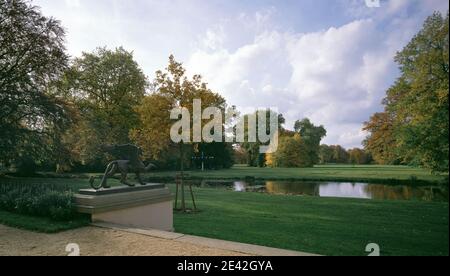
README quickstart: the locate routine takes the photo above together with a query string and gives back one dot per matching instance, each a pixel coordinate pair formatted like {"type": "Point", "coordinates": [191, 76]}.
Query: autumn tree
{"type": "Point", "coordinates": [170, 89]}
{"type": "Point", "coordinates": [415, 124]}
{"type": "Point", "coordinates": [358, 156]}
{"type": "Point", "coordinates": [381, 142]}
{"type": "Point", "coordinates": [32, 57]}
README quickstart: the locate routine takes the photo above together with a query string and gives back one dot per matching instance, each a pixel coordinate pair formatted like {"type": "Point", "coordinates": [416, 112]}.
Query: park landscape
{"type": "Point", "coordinates": [59, 113]}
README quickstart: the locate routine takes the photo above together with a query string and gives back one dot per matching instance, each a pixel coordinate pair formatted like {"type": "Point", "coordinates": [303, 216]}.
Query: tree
{"type": "Point", "coordinates": [152, 133]}
{"type": "Point", "coordinates": [106, 87]}
{"type": "Point", "coordinates": [381, 142]}
{"type": "Point", "coordinates": [292, 153]}
{"type": "Point", "coordinates": [358, 157]}
{"type": "Point", "coordinates": [32, 57]}
{"type": "Point", "coordinates": [222, 155]}
{"type": "Point", "coordinates": [414, 127]}
{"type": "Point", "coordinates": [340, 155]}
{"type": "Point", "coordinates": [254, 157]}
{"type": "Point", "coordinates": [420, 98]}
{"type": "Point", "coordinates": [326, 154]}
{"type": "Point", "coordinates": [240, 155]}
{"type": "Point", "coordinates": [312, 136]}
{"type": "Point", "coordinates": [171, 89]}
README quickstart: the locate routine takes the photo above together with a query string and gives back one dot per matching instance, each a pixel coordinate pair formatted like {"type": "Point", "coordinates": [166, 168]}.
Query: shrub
{"type": "Point", "coordinates": [37, 199]}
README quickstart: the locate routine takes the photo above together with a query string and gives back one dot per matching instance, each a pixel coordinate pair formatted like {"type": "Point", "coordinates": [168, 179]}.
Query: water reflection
{"type": "Point", "coordinates": [336, 189]}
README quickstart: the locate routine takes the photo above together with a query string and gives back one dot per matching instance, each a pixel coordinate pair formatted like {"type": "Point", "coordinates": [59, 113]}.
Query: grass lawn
{"type": "Point", "coordinates": [39, 224]}
{"type": "Point", "coordinates": [327, 226]}
{"type": "Point", "coordinates": [371, 173]}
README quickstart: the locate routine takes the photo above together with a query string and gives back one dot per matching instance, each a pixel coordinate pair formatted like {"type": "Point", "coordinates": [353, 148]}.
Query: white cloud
{"type": "Point", "coordinates": [214, 38]}
{"type": "Point", "coordinates": [335, 77]}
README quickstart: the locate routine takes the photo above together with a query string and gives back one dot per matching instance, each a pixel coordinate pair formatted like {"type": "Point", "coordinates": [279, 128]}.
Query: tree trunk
{"type": "Point", "coordinates": [183, 202]}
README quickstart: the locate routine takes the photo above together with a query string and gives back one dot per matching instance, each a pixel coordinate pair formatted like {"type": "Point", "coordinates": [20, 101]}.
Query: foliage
{"type": "Point", "coordinates": [32, 58]}
{"type": "Point", "coordinates": [106, 86]}
{"type": "Point", "coordinates": [173, 89]}
{"type": "Point", "coordinates": [381, 142]}
{"type": "Point", "coordinates": [359, 157]}
{"type": "Point", "coordinates": [292, 152]}
{"type": "Point", "coordinates": [326, 154]}
{"type": "Point", "coordinates": [311, 135]}
{"type": "Point", "coordinates": [240, 155]}
{"type": "Point", "coordinates": [334, 154]}
{"type": "Point", "coordinates": [221, 153]}
{"type": "Point", "coordinates": [415, 124]}
{"type": "Point", "coordinates": [52, 201]}
{"type": "Point", "coordinates": [252, 149]}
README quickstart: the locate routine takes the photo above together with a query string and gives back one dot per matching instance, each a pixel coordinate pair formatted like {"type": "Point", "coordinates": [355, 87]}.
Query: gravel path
{"type": "Point", "coordinates": [95, 241]}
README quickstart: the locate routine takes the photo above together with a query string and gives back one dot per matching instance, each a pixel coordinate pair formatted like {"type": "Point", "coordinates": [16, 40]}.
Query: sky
{"type": "Point", "coordinates": [329, 60]}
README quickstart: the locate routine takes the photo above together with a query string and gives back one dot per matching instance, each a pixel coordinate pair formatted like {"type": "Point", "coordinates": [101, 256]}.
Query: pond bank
{"type": "Point", "coordinates": [392, 175]}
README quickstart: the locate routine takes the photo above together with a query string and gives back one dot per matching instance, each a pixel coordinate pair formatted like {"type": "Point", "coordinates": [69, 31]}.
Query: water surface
{"type": "Point", "coordinates": [335, 189]}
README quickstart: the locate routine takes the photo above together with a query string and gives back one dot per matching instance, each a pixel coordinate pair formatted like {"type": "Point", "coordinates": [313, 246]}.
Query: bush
{"type": "Point", "coordinates": [37, 199]}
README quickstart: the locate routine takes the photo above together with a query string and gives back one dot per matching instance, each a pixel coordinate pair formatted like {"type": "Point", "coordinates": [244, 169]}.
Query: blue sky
{"type": "Point", "coordinates": [329, 60]}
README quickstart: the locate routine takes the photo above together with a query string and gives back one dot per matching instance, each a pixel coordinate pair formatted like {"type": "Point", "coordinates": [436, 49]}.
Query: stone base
{"type": "Point", "coordinates": [147, 207]}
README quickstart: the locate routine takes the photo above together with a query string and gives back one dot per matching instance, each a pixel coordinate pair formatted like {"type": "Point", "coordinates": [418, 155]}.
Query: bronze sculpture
{"type": "Point", "coordinates": [129, 162]}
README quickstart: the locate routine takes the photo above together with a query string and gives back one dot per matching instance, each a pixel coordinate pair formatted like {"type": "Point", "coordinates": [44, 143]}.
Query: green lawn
{"type": "Point", "coordinates": [327, 226]}
{"type": "Point", "coordinates": [40, 224]}
{"type": "Point", "coordinates": [370, 173]}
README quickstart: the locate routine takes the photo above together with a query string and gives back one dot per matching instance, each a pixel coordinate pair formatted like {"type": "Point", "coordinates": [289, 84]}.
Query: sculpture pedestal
{"type": "Point", "coordinates": [146, 207]}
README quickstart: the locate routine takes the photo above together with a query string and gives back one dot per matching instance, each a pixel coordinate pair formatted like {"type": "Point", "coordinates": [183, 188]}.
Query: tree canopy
{"type": "Point", "coordinates": [414, 127]}
{"type": "Point", "coordinates": [32, 57]}
{"type": "Point", "coordinates": [106, 86]}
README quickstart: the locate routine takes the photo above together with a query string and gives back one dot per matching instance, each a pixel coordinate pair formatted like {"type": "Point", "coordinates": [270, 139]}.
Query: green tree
{"type": "Point", "coordinates": [414, 127]}
{"type": "Point", "coordinates": [222, 155]}
{"type": "Point", "coordinates": [326, 154]}
{"type": "Point", "coordinates": [420, 98]}
{"type": "Point", "coordinates": [312, 136]}
{"type": "Point", "coordinates": [32, 57]}
{"type": "Point", "coordinates": [292, 153]}
{"type": "Point", "coordinates": [340, 155]}
{"type": "Point", "coordinates": [106, 86]}
{"type": "Point", "coordinates": [254, 157]}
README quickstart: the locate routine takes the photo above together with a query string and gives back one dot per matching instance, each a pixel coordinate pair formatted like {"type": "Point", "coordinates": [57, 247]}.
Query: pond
{"type": "Point", "coordinates": [335, 189]}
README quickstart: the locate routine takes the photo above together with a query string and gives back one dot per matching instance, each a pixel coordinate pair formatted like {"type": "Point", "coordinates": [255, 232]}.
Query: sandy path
{"type": "Point", "coordinates": [95, 241]}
